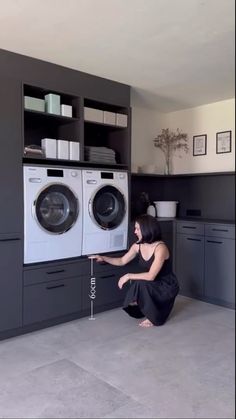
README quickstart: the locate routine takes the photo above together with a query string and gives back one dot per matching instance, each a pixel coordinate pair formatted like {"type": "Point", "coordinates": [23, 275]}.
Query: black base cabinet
{"type": "Point", "coordinates": [205, 261]}
{"type": "Point", "coordinates": [189, 266]}
{"type": "Point", "coordinates": [102, 288]}
{"type": "Point", "coordinates": [52, 291]}
{"type": "Point", "coordinates": [52, 299]}
{"type": "Point", "coordinates": [220, 265]}
{"type": "Point", "coordinates": [10, 283]}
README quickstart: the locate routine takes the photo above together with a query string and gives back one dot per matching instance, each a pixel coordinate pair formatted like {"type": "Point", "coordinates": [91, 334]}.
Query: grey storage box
{"type": "Point", "coordinates": [109, 118]}
{"type": "Point", "coordinates": [121, 120]}
{"type": "Point", "coordinates": [53, 103]}
{"type": "Point", "coordinates": [34, 104]}
{"type": "Point", "coordinates": [93, 115]}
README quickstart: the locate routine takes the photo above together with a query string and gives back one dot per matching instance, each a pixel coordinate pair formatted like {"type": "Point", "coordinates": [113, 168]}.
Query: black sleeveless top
{"type": "Point", "coordinates": [166, 268]}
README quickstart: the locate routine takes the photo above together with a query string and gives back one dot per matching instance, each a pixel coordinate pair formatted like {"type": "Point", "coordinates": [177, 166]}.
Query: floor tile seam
{"type": "Point", "coordinates": [106, 381]}
{"type": "Point", "coordinates": [140, 404]}
{"type": "Point", "coordinates": [23, 374]}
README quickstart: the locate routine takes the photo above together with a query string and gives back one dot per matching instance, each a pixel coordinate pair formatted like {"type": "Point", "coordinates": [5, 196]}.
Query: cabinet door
{"type": "Point", "coordinates": [105, 289]}
{"type": "Point", "coordinates": [10, 283]}
{"type": "Point", "coordinates": [52, 299]}
{"type": "Point", "coordinates": [190, 264]}
{"type": "Point", "coordinates": [220, 270]}
{"type": "Point", "coordinates": [11, 183]}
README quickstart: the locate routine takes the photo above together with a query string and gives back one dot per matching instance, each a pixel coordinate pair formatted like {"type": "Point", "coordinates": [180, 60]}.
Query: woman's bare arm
{"type": "Point", "coordinates": [118, 261]}
{"type": "Point", "coordinates": [161, 253]}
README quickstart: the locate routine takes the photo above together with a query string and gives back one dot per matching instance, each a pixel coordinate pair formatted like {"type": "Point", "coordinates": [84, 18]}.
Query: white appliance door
{"type": "Point", "coordinates": [107, 208]}
{"type": "Point", "coordinates": [56, 208]}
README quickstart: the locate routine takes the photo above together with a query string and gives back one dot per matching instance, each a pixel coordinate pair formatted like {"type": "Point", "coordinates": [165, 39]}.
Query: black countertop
{"type": "Point", "coordinates": [197, 219]}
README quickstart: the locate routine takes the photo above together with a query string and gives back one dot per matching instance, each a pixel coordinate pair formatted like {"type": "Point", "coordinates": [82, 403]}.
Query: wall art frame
{"type": "Point", "coordinates": [200, 145]}
{"type": "Point", "coordinates": [223, 142]}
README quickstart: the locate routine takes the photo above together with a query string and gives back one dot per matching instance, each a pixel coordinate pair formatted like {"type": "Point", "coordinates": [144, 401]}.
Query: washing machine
{"type": "Point", "coordinates": [52, 213]}
{"type": "Point", "coordinates": [105, 211]}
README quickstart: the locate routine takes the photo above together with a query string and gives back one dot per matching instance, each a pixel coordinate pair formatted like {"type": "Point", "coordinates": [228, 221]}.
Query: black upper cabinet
{"type": "Point", "coordinates": [81, 91]}
{"type": "Point", "coordinates": [39, 124]}
{"type": "Point", "coordinates": [11, 183]}
{"type": "Point", "coordinates": [108, 126]}
{"type": "Point", "coordinates": [101, 129]}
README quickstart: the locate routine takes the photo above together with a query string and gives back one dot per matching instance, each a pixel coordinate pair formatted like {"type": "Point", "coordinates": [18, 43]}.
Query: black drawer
{"type": "Point", "coordinates": [107, 291]}
{"type": "Point", "coordinates": [102, 268]}
{"type": "Point", "coordinates": [59, 271]}
{"type": "Point", "coordinates": [97, 267]}
{"type": "Point", "coordinates": [220, 230]}
{"type": "Point", "coordinates": [188, 227]}
{"type": "Point", "coordinates": [52, 299]}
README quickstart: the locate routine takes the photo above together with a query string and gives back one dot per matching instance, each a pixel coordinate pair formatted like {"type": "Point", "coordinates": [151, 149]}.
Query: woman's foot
{"type": "Point", "coordinates": [146, 323]}
{"type": "Point", "coordinates": [134, 303]}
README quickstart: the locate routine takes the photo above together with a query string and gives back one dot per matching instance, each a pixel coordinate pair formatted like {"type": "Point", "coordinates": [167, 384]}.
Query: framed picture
{"type": "Point", "coordinates": [223, 142]}
{"type": "Point", "coordinates": [199, 145]}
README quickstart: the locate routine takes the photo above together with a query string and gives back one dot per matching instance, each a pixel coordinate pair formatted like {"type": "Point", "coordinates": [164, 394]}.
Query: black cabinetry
{"type": "Point", "coordinates": [10, 282]}
{"type": "Point", "coordinates": [107, 293]}
{"type": "Point", "coordinates": [205, 261]}
{"type": "Point", "coordinates": [220, 264]}
{"type": "Point", "coordinates": [42, 124]}
{"type": "Point", "coordinates": [11, 205]}
{"type": "Point", "coordinates": [11, 184]}
{"type": "Point", "coordinates": [189, 264]}
{"type": "Point", "coordinates": [52, 291]}
{"type": "Point", "coordinates": [97, 126]}
{"type": "Point", "coordinates": [106, 125]}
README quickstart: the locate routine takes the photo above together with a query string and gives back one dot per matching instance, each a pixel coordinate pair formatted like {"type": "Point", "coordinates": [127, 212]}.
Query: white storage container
{"type": "Point", "coordinates": [74, 150]}
{"type": "Point", "coordinates": [166, 209]}
{"type": "Point", "coordinates": [63, 149]}
{"type": "Point", "coordinates": [49, 145]}
{"type": "Point", "coordinates": [66, 110]}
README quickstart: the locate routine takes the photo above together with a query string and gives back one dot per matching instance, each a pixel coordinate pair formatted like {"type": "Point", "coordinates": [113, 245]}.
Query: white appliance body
{"type": "Point", "coordinates": [105, 211]}
{"type": "Point", "coordinates": [52, 213]}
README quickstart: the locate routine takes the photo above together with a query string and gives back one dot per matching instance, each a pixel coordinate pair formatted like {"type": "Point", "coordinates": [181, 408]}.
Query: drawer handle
{"type": "Point", "coordinates": [213, 241]}
{"type": "Point", "coordinates": [56, 272]}
{"type": "Point", "coordinates": [9, 240]}
{"type": "Point", "coordinates": [220, 229]}
{"type": "Point", "coordinates": [55, 286]}
{"type": "Point", "coordinates": [107, 276]}
{"type": "Point", "coordinates": [190, 227]}
{"type": "Point", "coordinates": [194, 240]}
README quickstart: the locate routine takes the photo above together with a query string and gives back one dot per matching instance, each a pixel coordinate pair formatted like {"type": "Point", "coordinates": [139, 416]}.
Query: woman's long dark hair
{"type": "Point", "coordinates": [150, 228]}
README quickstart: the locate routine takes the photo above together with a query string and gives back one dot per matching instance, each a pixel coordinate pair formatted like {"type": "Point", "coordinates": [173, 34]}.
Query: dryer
{"type": "Point", "coordinates": [105, 211]}
{"type": "Point", "coordinates": [52, 213]}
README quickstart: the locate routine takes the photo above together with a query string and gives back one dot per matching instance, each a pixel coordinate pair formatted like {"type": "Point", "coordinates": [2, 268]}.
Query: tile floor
{"type": "Point", "coordinates": [111, 368]}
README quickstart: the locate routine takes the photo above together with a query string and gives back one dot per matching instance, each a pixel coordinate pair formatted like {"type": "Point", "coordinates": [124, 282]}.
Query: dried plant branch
{"type": "Point", "coordinates": [169, 142]}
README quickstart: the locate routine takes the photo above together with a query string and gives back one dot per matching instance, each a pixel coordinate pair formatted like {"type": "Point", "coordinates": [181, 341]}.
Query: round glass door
{"type": "Point", "coordinates": [56, 209]}
{"type": "Point", "coordinates": [108, 207]}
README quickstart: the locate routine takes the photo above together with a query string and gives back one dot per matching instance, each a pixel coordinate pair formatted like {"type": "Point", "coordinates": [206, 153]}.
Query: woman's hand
{"type": "Point", "coordinates": [125, 278]}
{"type": "Point", "coordinates": [98, 258]}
